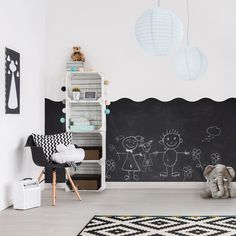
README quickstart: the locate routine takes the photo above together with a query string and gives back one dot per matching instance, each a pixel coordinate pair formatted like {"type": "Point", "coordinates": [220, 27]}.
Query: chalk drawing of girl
{"type": "Point", "coordinates": [147, 161]}
{"type": "Point", "coordinates": [130, 164]}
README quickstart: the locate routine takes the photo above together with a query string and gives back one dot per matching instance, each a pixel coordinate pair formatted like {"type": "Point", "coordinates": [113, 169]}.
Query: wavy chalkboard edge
{"type": "Point", "coordinates": [174, 100]}
{"type": "Point", "coordinates": [54, 101]}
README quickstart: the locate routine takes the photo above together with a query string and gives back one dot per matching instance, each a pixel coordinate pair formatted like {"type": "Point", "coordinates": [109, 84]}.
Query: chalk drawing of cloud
{"type": "Point", "coordinates": [213, 131]}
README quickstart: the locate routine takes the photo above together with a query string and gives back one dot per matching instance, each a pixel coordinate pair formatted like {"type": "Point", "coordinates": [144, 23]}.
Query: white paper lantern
{"type": "Point", "coordinates": [159, 31]}
{"type": "Point", "coordinates": [190, 63]}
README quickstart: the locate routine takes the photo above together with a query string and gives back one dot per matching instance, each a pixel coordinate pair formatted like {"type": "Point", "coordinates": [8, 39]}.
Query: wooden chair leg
{"type": "Point", "coordinates": [54, 187]}
{"type": "Point", "coordinates": [72, 184]}
{"type": "Point", "coordinates": [41, 174]}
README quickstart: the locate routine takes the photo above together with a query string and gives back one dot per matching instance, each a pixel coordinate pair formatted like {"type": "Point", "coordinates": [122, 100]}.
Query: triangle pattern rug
{"type": "Point", "coordinates": [160, 226]}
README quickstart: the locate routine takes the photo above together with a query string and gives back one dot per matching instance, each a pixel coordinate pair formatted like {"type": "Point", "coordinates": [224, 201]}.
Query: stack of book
{"type": "Point", "coordinates": [74, 65]}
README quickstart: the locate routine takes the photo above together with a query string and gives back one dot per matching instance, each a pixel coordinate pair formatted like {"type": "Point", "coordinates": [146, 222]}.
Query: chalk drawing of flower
{"type": "Point", "coordinates": [196, 154]}
{"type": "Point", "coordinates": [215, 158]}
{"type": "Point", "coordinates": [188, 172]}
{"type": "Point", "coordinates": [111, 165]}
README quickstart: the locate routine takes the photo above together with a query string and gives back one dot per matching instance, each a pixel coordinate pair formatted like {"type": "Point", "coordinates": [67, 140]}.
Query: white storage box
{"type": "Point", "coordinates": [26, 194]}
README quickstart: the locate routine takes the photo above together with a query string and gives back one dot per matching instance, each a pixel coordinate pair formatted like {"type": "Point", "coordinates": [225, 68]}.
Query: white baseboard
{"type": "Point", "coordinates": [154, 185]}
{"type": "Point", "coordinates": [6, 204]}
{"type": "Point", "coordinates": [145, 185]}
{"type": "Point", "coordinates": [142, 185]}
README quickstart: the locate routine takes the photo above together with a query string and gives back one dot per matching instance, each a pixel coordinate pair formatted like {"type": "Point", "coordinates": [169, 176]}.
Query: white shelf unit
{"type": "Point", "coordinates": [94, 110]}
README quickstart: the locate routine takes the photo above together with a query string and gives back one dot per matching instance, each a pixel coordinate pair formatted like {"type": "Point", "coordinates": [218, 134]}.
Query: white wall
{"type": "Point", "coordinates": [105, 30]}
{"type": "Point", "coordinates": [22, 27]}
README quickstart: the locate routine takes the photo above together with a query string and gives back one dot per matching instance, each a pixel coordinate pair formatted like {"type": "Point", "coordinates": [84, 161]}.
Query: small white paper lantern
{"type": "Point", "coordinates": [159, 31]}
{"type": "Point", "coordinates": [190, 63]}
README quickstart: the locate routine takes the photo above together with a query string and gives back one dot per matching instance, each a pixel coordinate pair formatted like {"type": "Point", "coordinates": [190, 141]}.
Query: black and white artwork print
{"type": "Point", "coordinates": [12, 81]}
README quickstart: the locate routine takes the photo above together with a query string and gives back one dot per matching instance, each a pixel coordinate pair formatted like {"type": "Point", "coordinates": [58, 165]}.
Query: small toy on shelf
{"type": "Point", "coordinates": [77, 55]}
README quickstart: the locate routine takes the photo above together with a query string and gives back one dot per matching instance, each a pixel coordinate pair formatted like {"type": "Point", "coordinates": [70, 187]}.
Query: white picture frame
{"type": "Point", "coordinates": [90, 95]}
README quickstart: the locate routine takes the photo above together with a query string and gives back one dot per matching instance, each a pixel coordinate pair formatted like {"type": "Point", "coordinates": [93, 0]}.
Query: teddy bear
{"type": "Point", "coordinates": [77, 55]}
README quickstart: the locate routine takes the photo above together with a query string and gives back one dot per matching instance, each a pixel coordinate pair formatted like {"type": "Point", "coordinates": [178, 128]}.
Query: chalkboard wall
{"type": "Point", "coordinates": [53, 117]}
{"type": "Point", "coordinates": [169, 141]}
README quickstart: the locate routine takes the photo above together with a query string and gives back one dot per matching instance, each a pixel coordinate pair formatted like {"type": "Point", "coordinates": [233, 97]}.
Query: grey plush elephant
{"type": "Point", "coordinates": [218, 182]}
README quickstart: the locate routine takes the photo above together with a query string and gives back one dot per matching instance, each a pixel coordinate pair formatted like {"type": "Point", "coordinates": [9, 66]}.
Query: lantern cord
{"type": "Point", "coordinates": [187, 22]}
{"type": "Point", "coordinates": [159, 3]}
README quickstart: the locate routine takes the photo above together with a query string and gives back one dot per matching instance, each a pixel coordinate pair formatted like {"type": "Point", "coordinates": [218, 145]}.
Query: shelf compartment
{"type": "Point", "coordinates": [84, 101]}
{"type": "Point", "coordinates": [86, 181]}
{"type": "Point", "coordinates": [87, 82]}
{"type": "Point", "coordinates": [91, 112]}
{"type": "Point", "coordinates": [87, 139]}
{"type": "Point", "coordinates": [92, 168]}
{"type": "Point", "coordinates": [93, 153]}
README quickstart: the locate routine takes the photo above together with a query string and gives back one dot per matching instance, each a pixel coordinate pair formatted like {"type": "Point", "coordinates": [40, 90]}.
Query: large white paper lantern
{"type": "Point", "coordinates": [190, 63]}
{"type": "Point", "coordinates": [159, 31]}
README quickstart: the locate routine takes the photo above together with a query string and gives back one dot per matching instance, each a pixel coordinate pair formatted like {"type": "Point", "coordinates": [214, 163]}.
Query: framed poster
{"type": "Point", "coordinates": [12, 81]}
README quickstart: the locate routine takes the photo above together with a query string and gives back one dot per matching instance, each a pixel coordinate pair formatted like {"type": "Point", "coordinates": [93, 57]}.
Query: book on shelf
{"type": "Point", "coordinates": [74, 65]}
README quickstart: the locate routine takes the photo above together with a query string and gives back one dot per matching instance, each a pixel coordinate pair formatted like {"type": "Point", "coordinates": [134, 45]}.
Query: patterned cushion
{"type": "Point", "coordinates": [49, 142]}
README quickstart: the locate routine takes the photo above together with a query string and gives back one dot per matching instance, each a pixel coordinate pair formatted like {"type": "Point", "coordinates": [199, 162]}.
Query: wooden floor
{"type": "Point", "coordinates": [69, 215]}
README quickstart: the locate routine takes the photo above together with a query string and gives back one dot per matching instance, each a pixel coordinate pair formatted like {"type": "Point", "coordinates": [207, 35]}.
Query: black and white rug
{"type": "Point", "coordinates": [160, 226]}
